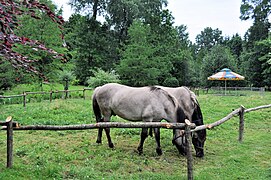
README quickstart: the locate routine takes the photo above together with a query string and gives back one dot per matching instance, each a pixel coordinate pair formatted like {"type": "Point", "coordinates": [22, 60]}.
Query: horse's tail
{"type": "Point", "coordinates": [96, 108]}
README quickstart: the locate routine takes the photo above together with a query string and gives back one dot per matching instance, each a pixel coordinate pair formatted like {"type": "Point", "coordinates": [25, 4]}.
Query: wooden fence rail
{"type": "Point", "coordinates": [24, 94]}
{"type": "Point", "coordinates": [9, 126]}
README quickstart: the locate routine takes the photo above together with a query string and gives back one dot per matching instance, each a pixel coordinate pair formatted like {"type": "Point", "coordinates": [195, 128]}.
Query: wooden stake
{"type": "Point", "coordinates": [241, 123]}
{"type": "Point", "coordinates": [9, 141]}
{"type": "Point", "coordinates": [189, 150]}
{"type": "Point", "coordinates": [51, 95]}
{"type": "Point", "coordinates": [24, 99]}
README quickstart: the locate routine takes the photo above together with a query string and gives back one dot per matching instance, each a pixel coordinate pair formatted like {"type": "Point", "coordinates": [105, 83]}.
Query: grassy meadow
{"type": "Point", "coordinates": [75, 154]}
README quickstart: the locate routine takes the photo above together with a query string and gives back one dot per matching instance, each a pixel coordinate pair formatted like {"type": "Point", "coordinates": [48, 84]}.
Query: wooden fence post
{"type": "Point", "coordinates": [9, 141]}
{"type": "Point", "coordinates": [189, 150]}
{"type": "Point", "coordinates": [24, 98]}
{"type": "Point", "coordinates": [84, 95]}
{"type": "Point", "coordinates": [51, 95]}
{"type": "Point", "coordinates": [241, 123]}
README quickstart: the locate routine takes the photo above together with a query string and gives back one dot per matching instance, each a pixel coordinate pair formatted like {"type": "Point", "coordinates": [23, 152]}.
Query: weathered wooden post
{"type": "Point", "coordinates": [24, 98]}
{"type": "Point", "coordinates": [241, 123]}
{"type": "Point", "coordinates": [51, 95]}
{"type": "Point", "coordinates": [189, 150]}
{"type": "Point", "coordinates": [9, 141]}
{"type": "Point", "coordinates": [84, 95]}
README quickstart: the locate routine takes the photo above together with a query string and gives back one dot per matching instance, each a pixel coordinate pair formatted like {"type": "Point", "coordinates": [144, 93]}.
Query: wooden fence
{"type": "Point", "coordinates": [64, 92]}
{"type": "Point", "coordinates": [10, 126]}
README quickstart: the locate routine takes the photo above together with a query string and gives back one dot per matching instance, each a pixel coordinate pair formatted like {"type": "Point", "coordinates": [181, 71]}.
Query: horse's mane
{"type": "Point", "coordinates": [180, 112]}
{"type": "Point", "coordinates": [192, 96]}
{"type": "Point", "coordinates": [171, 98]}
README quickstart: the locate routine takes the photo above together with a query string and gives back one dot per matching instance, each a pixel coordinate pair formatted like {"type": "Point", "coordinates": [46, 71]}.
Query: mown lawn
{"type": "Point", "coordinates": [75, 155]}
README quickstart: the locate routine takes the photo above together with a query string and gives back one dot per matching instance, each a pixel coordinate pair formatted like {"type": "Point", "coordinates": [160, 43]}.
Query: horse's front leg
{"type": "Point", "coordinates": [144, 135]}
{"type": "Point", "coordinates": [157, 138]}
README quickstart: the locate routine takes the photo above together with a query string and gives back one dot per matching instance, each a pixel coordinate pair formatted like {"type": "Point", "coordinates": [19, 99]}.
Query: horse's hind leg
{"type": "Point", "coordinates": [99, 137]}
{"type": "Point", "coordinates": [107, 132]}
{"type": "Point", "coordinates": [144, 135]}
{"type": "Point", "coordinates": [157, 138]}
{"type": "Point", "coordinates": [100, 133]}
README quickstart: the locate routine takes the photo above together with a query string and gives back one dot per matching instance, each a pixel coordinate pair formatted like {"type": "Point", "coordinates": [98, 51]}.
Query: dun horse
{"type": "Point", "coordinates": [147, 104]}
{"type": "Point", "coordinates": [188, 101]}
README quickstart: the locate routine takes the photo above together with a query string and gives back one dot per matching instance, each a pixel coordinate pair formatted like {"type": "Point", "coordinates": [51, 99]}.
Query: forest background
{"type": "Point", "coordinates": [137, 44]}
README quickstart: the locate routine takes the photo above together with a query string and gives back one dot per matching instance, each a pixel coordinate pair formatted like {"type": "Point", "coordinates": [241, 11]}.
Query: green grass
{"type": "Point", "coordinates": [75, 155]}
{"type": "Point", "coordinates": [32, 98]}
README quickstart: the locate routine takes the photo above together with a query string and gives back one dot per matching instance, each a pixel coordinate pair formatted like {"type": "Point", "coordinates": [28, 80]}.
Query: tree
{"type": "Point", "coordinates": [259, 11]}
{"type": "Point", "coordinates": [96, 47]}
{"type": "Point", "coordinates": [46, 32]}
{"type": "Point", "coordinates": [208, 38]}
{"type": "Point", "coordinates": [10, 11]}
{"type": "Point", "coordinates": [7, 75]}
{"type": "Point", "coordinates": [263, 51]}
{"type": "Point", "coordinates": [139, 69]}
{"type": "Point", "coordinates": [91, 7]}
{"type": "Point", "coordinates": [183, 36]}
{"type": "Point", "coordinates": [219, 57]}
{"type": "Point", "coordinates": [121, 14]}
{"type": "Point", "coordinates": [235, 43]}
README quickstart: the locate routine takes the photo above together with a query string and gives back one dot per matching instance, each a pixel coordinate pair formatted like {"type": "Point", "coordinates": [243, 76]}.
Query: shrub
{"type": "Point", "coordinates": [102, 77]}
{"type": "Point", "coordinates": [171, 82]}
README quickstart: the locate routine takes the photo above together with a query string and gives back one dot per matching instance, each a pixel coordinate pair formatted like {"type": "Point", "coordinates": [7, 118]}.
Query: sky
{"type": "Point", "coordinates": [197, 15]}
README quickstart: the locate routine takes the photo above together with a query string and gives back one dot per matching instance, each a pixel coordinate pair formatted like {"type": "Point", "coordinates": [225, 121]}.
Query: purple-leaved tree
{"type": "Point", "coordinates": [10, 10]}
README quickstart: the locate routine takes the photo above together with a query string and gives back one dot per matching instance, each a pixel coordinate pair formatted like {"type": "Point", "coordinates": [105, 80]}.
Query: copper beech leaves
{"type": "Point", "coordinates": [9, 12]}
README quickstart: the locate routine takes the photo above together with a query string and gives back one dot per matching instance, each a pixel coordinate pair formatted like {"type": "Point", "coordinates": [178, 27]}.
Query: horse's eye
{"type": "Point", "coordinates": [195, 135]}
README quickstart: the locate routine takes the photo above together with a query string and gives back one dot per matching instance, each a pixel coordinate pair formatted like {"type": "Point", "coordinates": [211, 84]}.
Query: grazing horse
{"type": "Point", "coordinates": [147, 104]}
{"type": "Point", "coordinates": [188, 101]}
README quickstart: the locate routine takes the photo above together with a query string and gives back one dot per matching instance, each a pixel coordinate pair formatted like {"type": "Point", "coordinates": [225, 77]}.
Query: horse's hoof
{"type": "Point", "coordinates": [159, 151]}
{"type": "Point", "coordinates": [111, 145]}
{"type": "Point", "coordinates": [200, 155]}
{"type": "Point", "coordinates": [99, 142]}
{"type": "Point", "coordinates": [140, 151]}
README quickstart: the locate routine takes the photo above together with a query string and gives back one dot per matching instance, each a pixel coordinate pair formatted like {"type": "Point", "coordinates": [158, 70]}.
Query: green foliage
{"type": "Point", "coordinates": [139, 69]}
{"type": "Point", "coordinates": [171, 82]}
{"type": "Point", "coordinates": [66, 77]}
{"type": "Point", "coordinates": [138, 40]}
{"type": "Point", "coordinates": [264, 48]}
{"type": "Point", "coordinates": [163, 53]}
{"type": "Point", "coordinates": [47, 32]}
{"type": "Point", "coordinates": [235, 44]}
{"type": "Point", "coordinates": [257, 10]}
{"type": "Point", "coordinates": [218, 58]}
{"type": "Point", "coordinates": [208, 38]}
{"type": "Point", "coordinates": [7, 75]}
{"type": "Point", "coordinates": [96, 48]}
{"type": "Point", "coordinates": [102, 77]}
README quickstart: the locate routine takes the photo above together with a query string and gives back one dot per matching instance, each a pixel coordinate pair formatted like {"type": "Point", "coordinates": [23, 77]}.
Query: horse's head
{"type": "Point", "coordinates": [178, 135]}
{"type": "Point", "coordinates": [198, 137]}
{"type": "Point", "coordinates": [198, 140]}
{"type": "Point", "coordinates": [179, 141]}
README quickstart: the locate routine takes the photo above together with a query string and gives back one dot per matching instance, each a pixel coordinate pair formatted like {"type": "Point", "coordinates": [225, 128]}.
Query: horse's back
{"type": "Point", "coordinates": [133, 103]}
{"type": "Point", "coordinates": [185, 97]}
